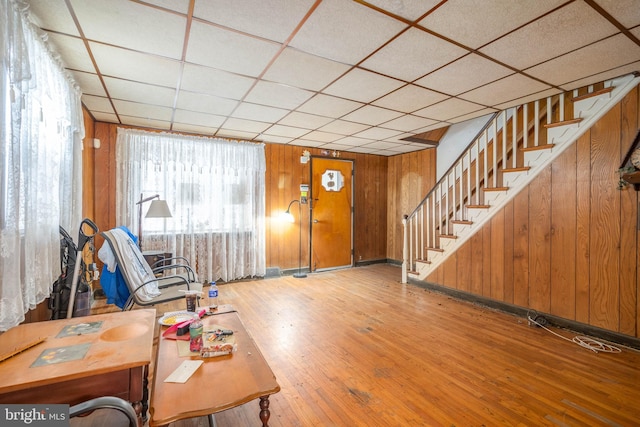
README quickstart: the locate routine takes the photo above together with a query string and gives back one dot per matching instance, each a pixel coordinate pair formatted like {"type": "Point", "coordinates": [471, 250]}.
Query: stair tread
{"type": "Point", "coordinates": [448, 236]}
{"type": "Point", "coordinates": [461, 221]}
{"type": "Point", "coordinates": [435, 249]}
{"type": "Point", "coordinates": [518, 169]}
{"type": "Point", "coordinates": [539, 147]}
{"type": "Point", "coordinates": [496, 188]}
{"type": "Point", "coordinates": [478, 206]}
{"type": "Point", "coordinates": [592, 94]}
{"type": "Point", "coordinates": [563, 123]}
{"type": "Point", "coordinates": [424, 261]}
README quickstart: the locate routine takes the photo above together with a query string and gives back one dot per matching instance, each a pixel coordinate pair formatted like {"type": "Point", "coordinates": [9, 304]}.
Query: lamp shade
{"type": "Point", "coordinates": [158, 209]}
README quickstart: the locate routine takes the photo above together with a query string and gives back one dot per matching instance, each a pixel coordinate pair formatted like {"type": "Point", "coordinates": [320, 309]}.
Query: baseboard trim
{"type": "Point", "coordinates": [574, 326]}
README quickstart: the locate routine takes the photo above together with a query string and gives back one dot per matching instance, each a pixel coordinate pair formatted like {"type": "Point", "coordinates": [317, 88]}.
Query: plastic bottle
{"type": "Point", "coordinates": [195, 334]}
{"type": "Point", "coordinates": [213, 295]}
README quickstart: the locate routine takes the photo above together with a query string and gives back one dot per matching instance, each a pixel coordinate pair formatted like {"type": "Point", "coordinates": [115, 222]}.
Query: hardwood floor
{"type": "Point", "coordinates": [355, 347]}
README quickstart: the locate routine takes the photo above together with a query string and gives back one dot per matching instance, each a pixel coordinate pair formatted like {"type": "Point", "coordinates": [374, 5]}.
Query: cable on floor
{"type": "Point", "coordinates": [586, 342]}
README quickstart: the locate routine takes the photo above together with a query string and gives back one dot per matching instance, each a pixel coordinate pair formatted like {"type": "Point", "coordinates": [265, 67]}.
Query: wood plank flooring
{"type": "Point", "coordinates": [355, 347]}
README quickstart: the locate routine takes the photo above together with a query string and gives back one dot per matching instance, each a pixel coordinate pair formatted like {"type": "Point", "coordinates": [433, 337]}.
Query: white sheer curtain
{"type": "Point", "coordinates": [216, 192]}
{"type": "Point", "coordinates": [40, 162]}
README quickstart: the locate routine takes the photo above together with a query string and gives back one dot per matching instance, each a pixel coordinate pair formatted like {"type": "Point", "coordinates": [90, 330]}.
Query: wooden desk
{"type": "Point", "coordinates": [220, 383]}
{"type": "Point", "coordinates": [118, 353]}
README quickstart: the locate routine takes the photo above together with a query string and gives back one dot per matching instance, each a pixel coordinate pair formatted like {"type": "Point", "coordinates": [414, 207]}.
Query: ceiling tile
{"type": "Point", "coordinates": [201, 130]}
{"type": "Point", "coordinates": [322, 136]}
{"type": "Point", "coordinates": [228, 50]}
{"type": "Point", "coordinates": [361, 85]}
{"type": "Point", "coordinates": [626, 12]}
{"type": "Point", "coordinates": [105, 117]}
{"type": "Point", "coordinates": [129, 65]}
{"type": "Point", "coordinates": [412, 55]}
{"type": "Point", "coordinates": [474, 115]}
{"type": "Point", "coordinates": [518, 101]}
{"type": "Point", "coordinates": [307, 143]}
{"type": "Point", "coordinates": [301, 69]}
{"type": "Point", "coordinates": [448, 109]}
{"type": "Point", "coordinates": [380, 145]}
{"type": "Point", "coordinates": [465, 74]}
{"type": "Point", "coordinates": [180, 6]}
{"type": "Point", "coordinates": [132, 25]}
{"type": "Point", "coordinates": [52, 15]}
{"type": "Point", "coordinates": [145, 122]}
{"type": "Point", "coordinates": [357, 29]}
{"type": "Point", "coordinates": [277, 95]}
{"type": "Point", "coordinates": [97, 103]}
{"type": "Point", "coordinates": [245, 125]}
{"type": "Point", "coordinates": [199, 119]}
{"type": "Point", "coordinates": [409, 98]}
{"type": "Point", "coordinates": [504, 90]}
{"type": "Point", "coordinates": [132, 91]}
{"type": "Point", "coordinates": [271, 19]}
{"type": "Point", "coordinates": [196, 78]}
{"type": "Point", "coordinates": [135, 109]}
{"type": "Point", "coordinates": [275, 139]}
{"type": "Point", "coordinates": [371, 115]}
{"type": "Point", "coordinates": [377, 133]}
{"type": "Point", "coordinates": [353, 141]}
{"type": "Point", "coordinates": [73, 51]}
{"type": "Point", "coordinates": [343, 127]}
{"type": "Point", "coordinates": [90, 83]}
{"type": "Point", "coordinates": [476, 23]}
{"type": "Point", "coordinates": [286, 131]}
{"type": "Point", "coordinates": [234, 134]}
{"type": "Point", "coordinates": [205, 103]}
{"type": "Point", "coordinates": [593, 59]}
{"type": "Point", "coordinates": [562, 31]}
{"type": "Point", "coordinates": [408, 9]}
{"type": "Point", "coordinates": [304, 120]}
{"type": "Point", "coordinates": [407, 123]}
{"type": "Point", "coordinates": [260, 113]}
{"type": "Point", "coordinates": [330, 106]}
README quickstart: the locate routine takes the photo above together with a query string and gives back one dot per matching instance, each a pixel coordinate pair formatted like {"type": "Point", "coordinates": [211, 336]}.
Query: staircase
{"type": "Point", "coordinates": [505, 157]}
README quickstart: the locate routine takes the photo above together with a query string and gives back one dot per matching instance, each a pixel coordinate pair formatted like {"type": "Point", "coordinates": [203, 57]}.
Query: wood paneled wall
{"type": "Point", "coordinates": [411, 177]}
{"type": "Point", "coordinates": [283, 177]}
{"type": "Point", "coordinates": [567, 245]}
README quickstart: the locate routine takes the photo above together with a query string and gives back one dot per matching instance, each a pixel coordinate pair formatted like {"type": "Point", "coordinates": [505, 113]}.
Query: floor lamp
{"type": "Point", "coordinates": [289, 216]}
{"type": "Point", "coordinates": [158, 209]}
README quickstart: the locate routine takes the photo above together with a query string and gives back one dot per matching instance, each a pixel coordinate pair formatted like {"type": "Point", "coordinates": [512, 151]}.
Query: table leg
{"type": "Point", "coordinates": [264, 410]}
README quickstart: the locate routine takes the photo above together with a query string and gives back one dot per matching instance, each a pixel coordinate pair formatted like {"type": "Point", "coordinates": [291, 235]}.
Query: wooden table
{"type": "Point", "coordinates": [116, 351]}
{"type": "Point", "coordinates": [220, 383]}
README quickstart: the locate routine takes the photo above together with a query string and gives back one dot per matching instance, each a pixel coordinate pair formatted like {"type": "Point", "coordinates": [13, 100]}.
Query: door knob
{"type": "Point", "coordinates": [315, 221]}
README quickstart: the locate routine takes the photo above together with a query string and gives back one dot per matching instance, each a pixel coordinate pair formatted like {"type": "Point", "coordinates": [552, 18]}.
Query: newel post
{"type": "Point", "coordinates": [405, 249]}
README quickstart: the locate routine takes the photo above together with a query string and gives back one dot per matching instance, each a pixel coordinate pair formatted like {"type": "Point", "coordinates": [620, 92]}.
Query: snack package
{"type": "Point", "coordinates": [216, 344]}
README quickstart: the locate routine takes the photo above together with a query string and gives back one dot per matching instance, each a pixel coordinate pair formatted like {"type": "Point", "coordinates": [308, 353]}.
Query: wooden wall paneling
{"type": "Point", "coordinates": [563, 231]}
{"type": "Point", "coordinates": [477, 264]}
{"type": "Point", "coordinates": [539, 237]}
{"type": "Point", "coordinates": [605, 224]}
{"type": "Point", "coordinates": [521, 248]}
{"type": "Point", "coordinates": [88, 166]}
{"type": "Point", "coordinates": [497, 256]}
{"type": "Point", "coordinates": [105, 179]}
{"type": "Point", "coordinates": [628, 223]}
{"type": "Point", "coordinates": [583, 227]}
{"type": "Point", "coordinates": [449, 270]}
{"type": "Point", "coordinates": [463, 266]}
{"type": "Point", "coordinates": [508, 253]}
{"type": "Point", "coordinates": [393, 214]}
{"type": "Point", "coordinates": [486, 259]}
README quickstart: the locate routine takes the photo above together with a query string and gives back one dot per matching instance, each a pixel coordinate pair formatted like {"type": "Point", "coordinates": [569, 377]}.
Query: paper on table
{"type": "Point", "coordinates": [184, 371]}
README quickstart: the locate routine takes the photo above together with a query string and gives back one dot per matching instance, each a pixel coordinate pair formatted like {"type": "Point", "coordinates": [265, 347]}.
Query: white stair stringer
{"type": "Point", "coordinates": [590, 110]}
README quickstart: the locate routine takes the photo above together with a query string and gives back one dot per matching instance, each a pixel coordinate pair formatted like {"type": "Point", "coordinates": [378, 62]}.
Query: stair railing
{"type": "Point", "coordinates": [496, 150]}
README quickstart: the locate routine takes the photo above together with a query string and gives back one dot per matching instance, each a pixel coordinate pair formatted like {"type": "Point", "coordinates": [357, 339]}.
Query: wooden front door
{"type": "Point", "coordinates": [331, 213]}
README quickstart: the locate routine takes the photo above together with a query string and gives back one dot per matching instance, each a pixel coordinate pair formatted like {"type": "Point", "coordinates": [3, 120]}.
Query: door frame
{"type": "Point", "coordinates": [311, 205]}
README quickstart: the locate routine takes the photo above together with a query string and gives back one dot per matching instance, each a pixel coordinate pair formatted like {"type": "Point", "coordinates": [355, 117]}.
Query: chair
{"type": "Point", "coordinates": [107, 411]}
{"type": "Point", "coordinates": [144, 287]}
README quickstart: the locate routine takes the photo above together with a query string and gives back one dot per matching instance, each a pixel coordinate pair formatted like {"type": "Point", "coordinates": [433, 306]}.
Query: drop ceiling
{"type": "Point", "coordinates": [357, 76]}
